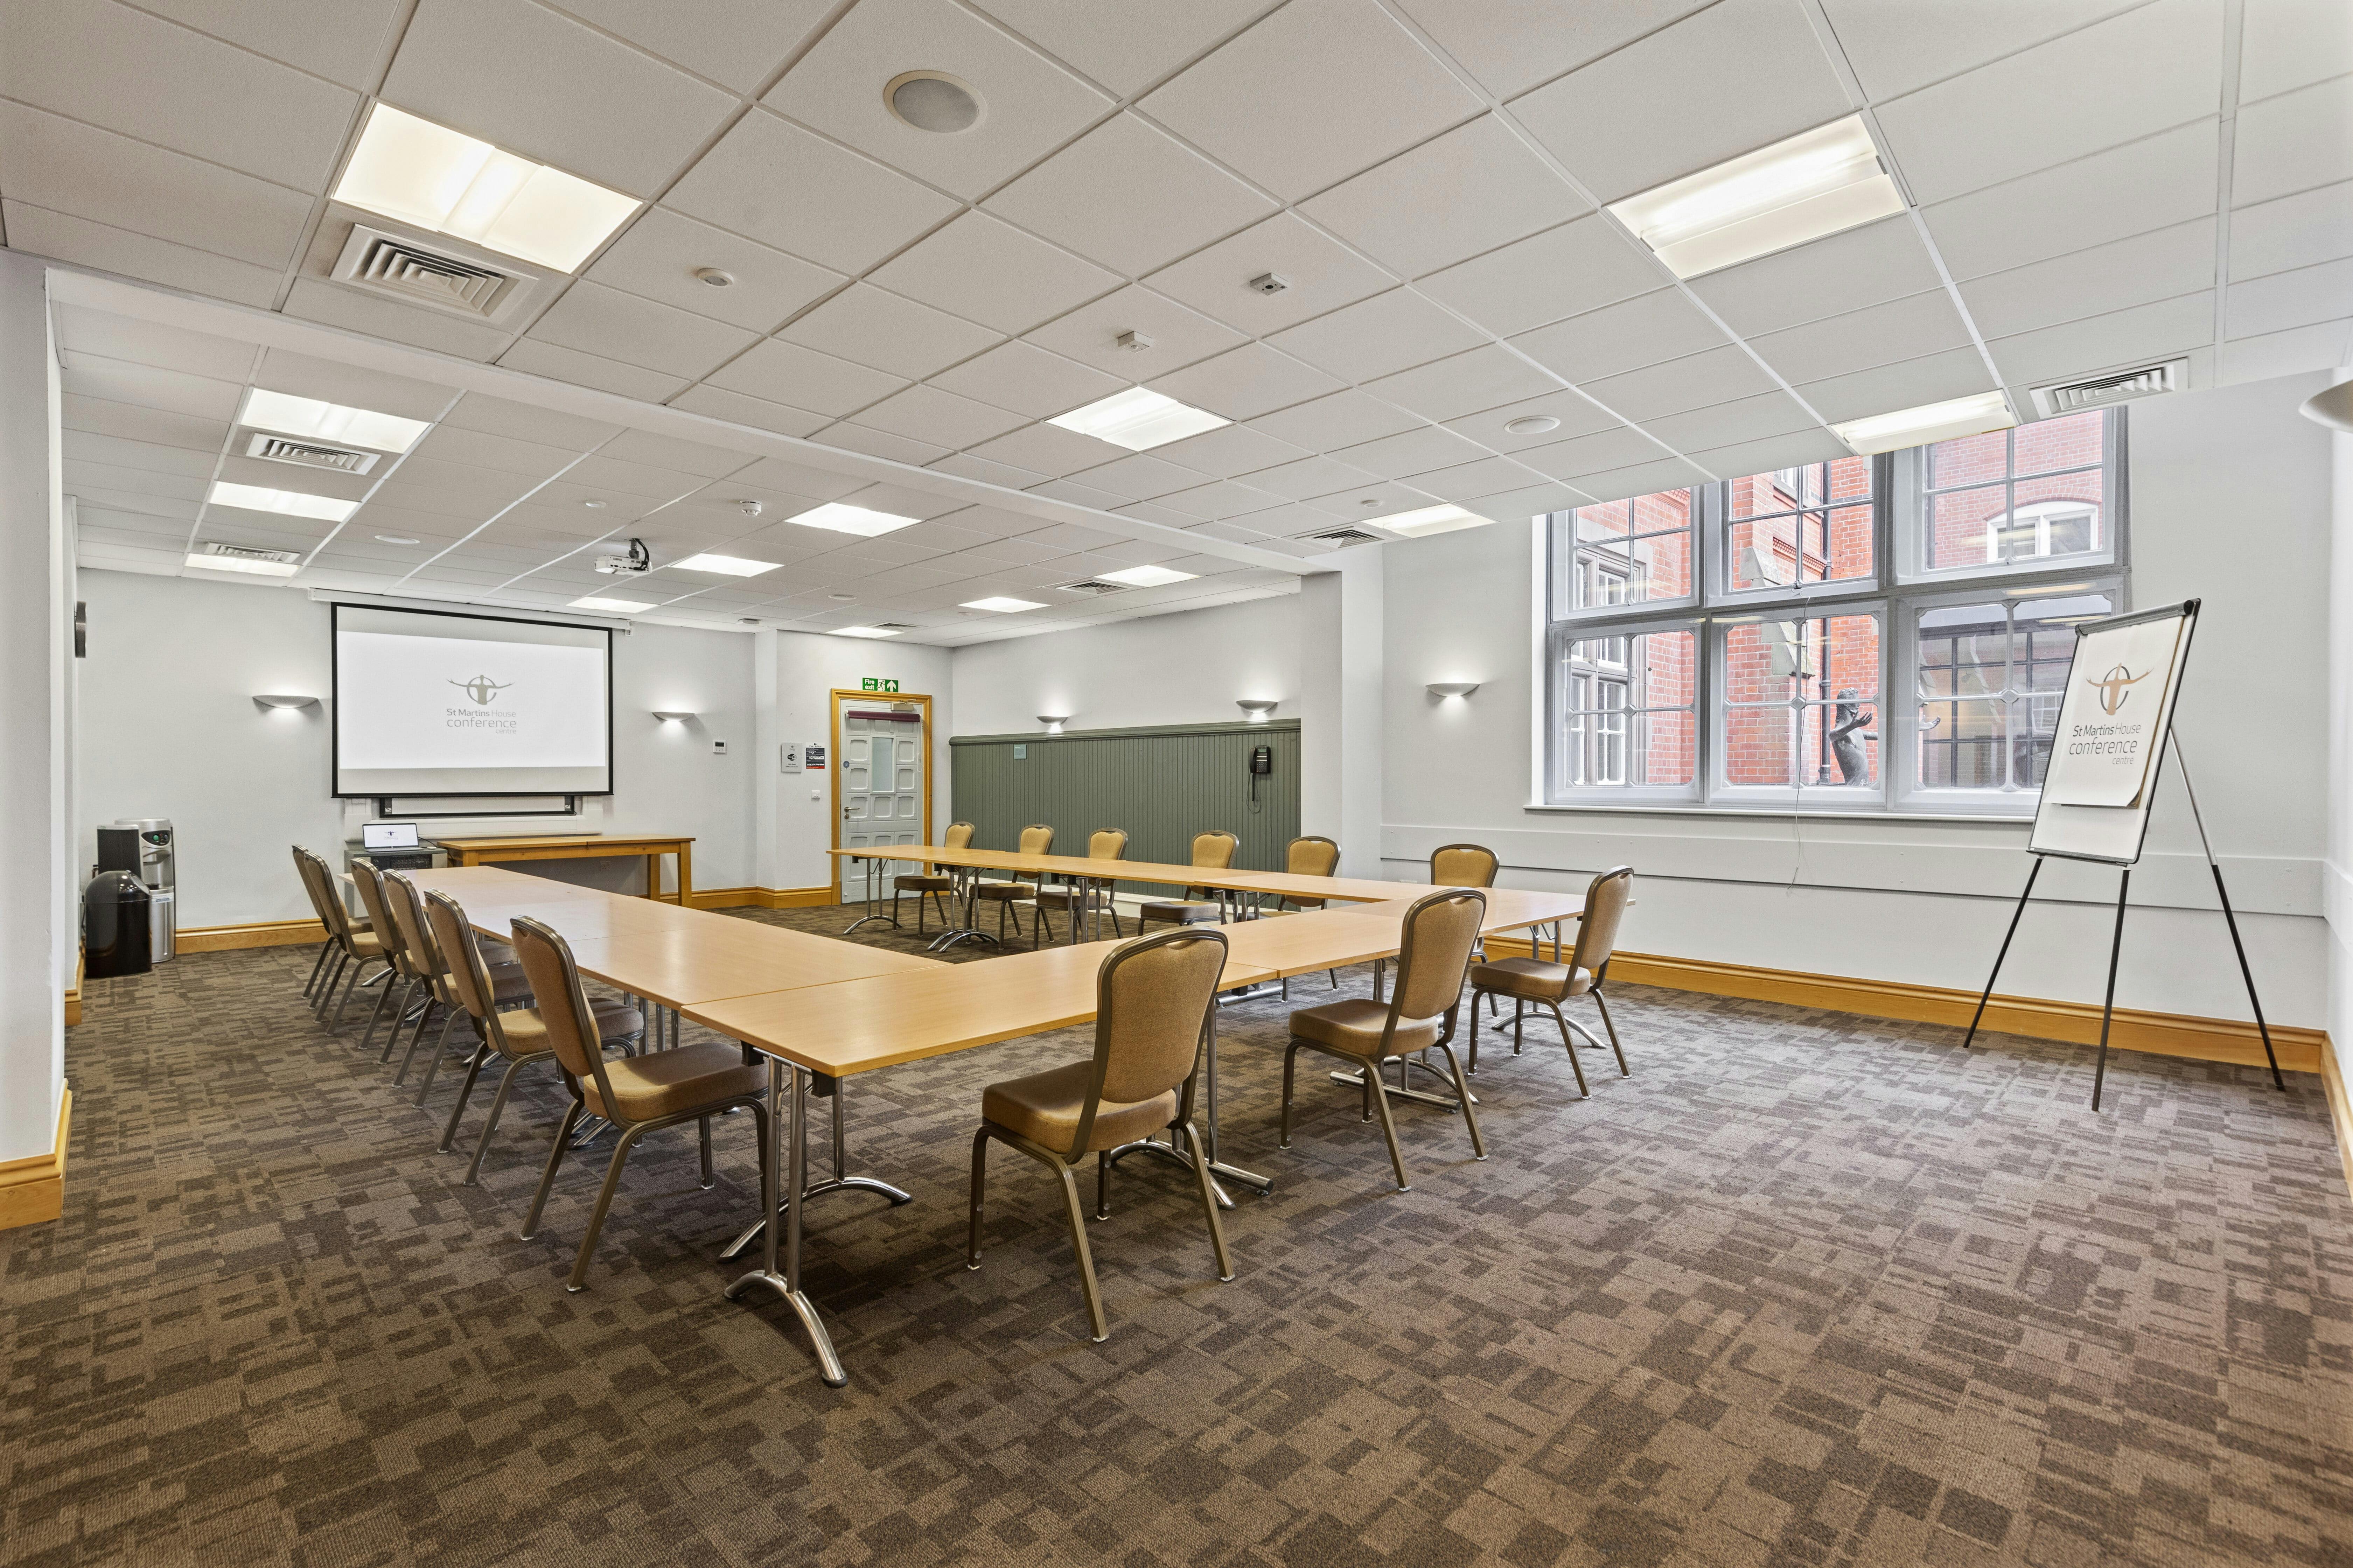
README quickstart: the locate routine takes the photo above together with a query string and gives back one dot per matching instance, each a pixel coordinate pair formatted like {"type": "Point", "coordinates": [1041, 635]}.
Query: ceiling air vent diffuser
{"type": "Point", "coordinates": [249, 552]}
{"type": "Point", "coordinates": [420, 274]}
{"type": "Point", "coordinates": [2118, 386]}
{"type": "Point", "coordinates": [1092, 586]}
{"type": "Point", "coordinates": [309, 454]}
{"type": "Point", "coordinates": [1341, 538]}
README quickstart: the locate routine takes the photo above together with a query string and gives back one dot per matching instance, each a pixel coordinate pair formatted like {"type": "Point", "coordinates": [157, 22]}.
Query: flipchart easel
{"type": "Point", "coordinates": [2101, 780]}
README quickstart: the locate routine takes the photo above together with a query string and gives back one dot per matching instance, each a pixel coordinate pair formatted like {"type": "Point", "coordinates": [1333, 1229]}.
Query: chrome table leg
{"type": "Point", "coordinates": [838, 1183]}
{"type": "Point", "coordinates": [873, 869]}
{"type": "Point", "coordinates": [787, 1284]}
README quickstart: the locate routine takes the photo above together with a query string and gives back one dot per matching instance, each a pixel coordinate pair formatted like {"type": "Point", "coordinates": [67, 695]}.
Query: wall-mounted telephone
{"type": "Point", "coordinates": [1261, 764]}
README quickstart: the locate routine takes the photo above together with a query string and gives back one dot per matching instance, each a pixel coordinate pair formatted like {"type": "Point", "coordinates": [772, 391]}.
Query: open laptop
{"type": "Point", "coordinates": [388, 836]}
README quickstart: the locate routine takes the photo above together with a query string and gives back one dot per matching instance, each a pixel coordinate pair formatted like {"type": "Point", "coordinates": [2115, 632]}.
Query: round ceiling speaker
{"type": "Point", "coordinates": [1532, 425]}
{"type": "Point", "coordinates": [933, 100]}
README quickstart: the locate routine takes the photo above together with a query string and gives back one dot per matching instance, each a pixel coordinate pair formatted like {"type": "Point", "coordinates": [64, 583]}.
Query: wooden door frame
{"type": "Point", "coordinates": [833, 740]}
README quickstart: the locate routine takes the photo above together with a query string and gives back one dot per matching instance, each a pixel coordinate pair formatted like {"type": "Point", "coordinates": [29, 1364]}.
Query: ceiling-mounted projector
{"type": "Point", "coordinates": [638, 560]}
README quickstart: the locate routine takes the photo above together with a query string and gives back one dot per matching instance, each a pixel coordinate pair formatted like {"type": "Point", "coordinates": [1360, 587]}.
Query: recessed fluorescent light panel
{"type": "Point", "coordinates": [614, 606]}
{"type": "Point", "coordinates": [1428, 520]}
{"type": "Point", "coordinates": [1138, 420]}
{"type": "Point", "coordinates": [1929, 421]}
{"type": "Point", "coordinates": [1001, 604]}
{"type": "Point", "coordinates": [843, 518]}
{"type": "Point", "coordinates": [863, 632]}
{"type": "Point", "coordinates": [446, 181]}
{"type": "Point", "coordinates": [1147, 576]}
{"type": "Point", "coordinates": [725, 565]}
{"type": "Point", "coordinates": [236, 558]}
{"type": "Point", "coordinates": [288, 416]}
{"type": "Point", "coordinates": [290, 503]}
{"type": "Point", "coordinates": [1817, 182]}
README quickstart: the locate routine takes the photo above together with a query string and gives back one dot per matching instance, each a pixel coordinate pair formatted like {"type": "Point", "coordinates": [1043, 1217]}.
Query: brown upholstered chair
{"type": "Point", "coordinates": [1155, 998]}
{"type": "Point", "coordinates": [508, 987]}
{"type": "Point", "coordinates": [1215, 851]}
{"type": "Point", "coordinates": [1080, 900]}
{"type": "Point", "coordinates": [354, 942]}
{"type": "Point", "coordinates": [1439, 930]}
{"type": "Point", "coordinates": [1547, 985]}
{"type": "Point", "coordinates": [1462, 866]}
{"type": "Point", "coordinates": [639, 1094]}
{"type": "Point", "coordinates": [1310, 855]}
{"type": "Point", "coordinates": [406, 975]}
{"type": "Point", "coordinates": [327, 948]}
{"type": "Point", "coordinates": [935, 886]}
{"type": "Point", "coordinates": [520, 1035]}
{"type": "Point", "coordinates": [1022, 887]}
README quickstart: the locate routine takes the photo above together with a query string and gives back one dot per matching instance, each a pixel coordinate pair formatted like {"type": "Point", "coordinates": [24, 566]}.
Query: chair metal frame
{"type": "Point", "coordinates": [1579, 958]}
{"type": "Point", "coordinates": [1080, 897]}
{"type": "Point", "coordinates": [1377, 1090]}
{"type": "Point", "coordinates": [574, 998]}
{"type": "Point", "coordinates": [1064, 1164]}
{"type": "Point", "coordinates": [1032, 881]}
{"type": "Point", "coordinates": [958, 837]}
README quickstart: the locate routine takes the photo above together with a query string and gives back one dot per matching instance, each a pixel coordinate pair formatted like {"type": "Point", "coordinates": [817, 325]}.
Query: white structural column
{"type": "Point", "coordinates": [767, 778]}
{"type": "Point", "coordinates": [1340, 719]}
{"type": "Point", "coordinates": [37, 897]}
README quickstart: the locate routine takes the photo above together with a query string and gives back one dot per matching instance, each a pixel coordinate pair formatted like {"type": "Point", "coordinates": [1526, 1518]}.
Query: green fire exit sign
{"type": "Point", "coordinates": [876, 683]}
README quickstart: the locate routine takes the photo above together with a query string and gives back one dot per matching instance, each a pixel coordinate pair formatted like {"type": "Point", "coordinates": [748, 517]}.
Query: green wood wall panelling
{"type": "Point", "coordinates": [1162, 782]}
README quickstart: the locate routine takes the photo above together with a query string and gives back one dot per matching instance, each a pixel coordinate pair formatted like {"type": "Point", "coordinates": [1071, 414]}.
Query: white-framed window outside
{"type": "Point", "coordinates": [1868, 633]}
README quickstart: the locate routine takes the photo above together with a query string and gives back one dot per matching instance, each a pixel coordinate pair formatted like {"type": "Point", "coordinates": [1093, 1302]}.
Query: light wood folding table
{"type": "Point", "coordinates": [652, 847]}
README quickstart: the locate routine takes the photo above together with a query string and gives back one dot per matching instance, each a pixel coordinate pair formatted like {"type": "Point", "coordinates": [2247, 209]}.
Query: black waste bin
{"type": "Point", "coordinates": [114, 926]}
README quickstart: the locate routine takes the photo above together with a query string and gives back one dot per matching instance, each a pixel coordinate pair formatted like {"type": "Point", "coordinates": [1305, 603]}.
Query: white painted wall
{"type": "Point", "coordinates": [2231, 501]}
{"type": "Point", "coordinates": [808, 669]}
{"type": "Point", "coordinates": [1188, 667]}
{"type": "Point", "coordinates": [168, 728]}
{"type": "Point", "coordinates": [2336, 874]}
{"type": "Point", "coordinates": [37, 906]}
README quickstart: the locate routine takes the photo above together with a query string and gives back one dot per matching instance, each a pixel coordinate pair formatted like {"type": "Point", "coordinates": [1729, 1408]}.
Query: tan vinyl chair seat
{"type": "Point", "coordinates": [923, 884]}
{"type": "Point", "coordinates": [1355, 1026]}
{"type": "Point", "coordinates": [365, 944]}
{"type": "Point", "coordinates": [509, 982]}
{"type": "Point", "coordinates": [669, 1083]}
{"type": "Point", "coordinates": [1531, 977]}
{"type": "Point", "coordinates": [1186, 913]}
{"type": "Point", "coordinates": [1044, 1107]}
{"type": "Point", "coordinates": [527, 1034]}
{"type": "Point", "coordinates": [1016, 890]}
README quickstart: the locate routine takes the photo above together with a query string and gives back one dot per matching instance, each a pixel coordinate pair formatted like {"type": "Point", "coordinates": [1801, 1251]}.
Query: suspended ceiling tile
{"type": "Point", "coordinates": [2113, 82]}
{"type": "Point", "coordinates": [2293, 231]}
{"type": "Point", "coordinates": [525, 422]}
{"type": "Point", "coordinates": [1896, 49]}
{"type": "Point", "coordinates": [636, 331]}
{"type": "Point", "coordinates": [1464, 384]}
{"type": "Point", "coordinates": [83, 170]}
{"type": "Point", "coordinates": [1375, 337]}
{"type": "Point", "coordinates": [657, 258]}
{"type": "Point", "coordinates": [2322, 346]}
{"type": "Point", "coordinates": [1020, 376]}
{"type": "Point", "coordinates": [1126, 45]}
{"type": "Point", "coordinates": [2157, 330]}
{"type": "Point", "coordinates": [1471, 190]}
{"type": "Point", "coordinates": [1318, 276]}
{"type": "Point", "coordinates": [534, 81]}
{"type": "Point", "coordinates": [2282, 47]}
{"type": "Point", "coordinates": [561, 364]}
{"type": "Point", "coordinates": [1228, 450]}
{"type": "Point", "coordinates": [2157, 265]}
{"type": "Point", "coordinates": [1938, 378]}
{"type": "Point", "coordinates": [986, 271]}
{"type": "Point", "coordinates": [714, 403]}
{"type": "Point", "coordinates": [800, 377]}
{"type": "Point", "coordinates": [1313, 94]}
{"type": "Point", "coordinates": [1578, 267]}
{"type": "Point", "coordinates": [40, 232]}
{"type": "Point", "coordinates": [737, 42]}
{"type": "Point", "coordinates": [1880, 262]}
{"type": "Point", "coordinates": [966, 466]}
{"type": "Point", "coordinates": [941, 418]}
{"type": "Point", "coordinates": [1771, 453]}
{"type": "Point", "coordinates": [1603, 451]}
{"type": "Point", "coordinates": [137, 422]}
{"type": "Point", "coordinates": [1029, 105]}
{"type": "Point", "coordinates": [1574, 414]}
{"type": "Point", "coordinates": [1128, 196]}
{"type": "Point", "coordinates": [173, 391]}
{"type": "Point", "coordinates": [1767, 414]}
{"type": "Point", "coordinates": [1511, 45]}
{"type": "Point", "coordinates": [1244, 382]}
{"type": "Point", "coordinates": [2308, 296]}
{"type": "Point", "coordinates": [1409, 452]}
{"type": "Point", "coordinates": [2166, 179]}
{"type": "Point", "coordinates": [1179, 336]}
{"type": "Point", "coordinates": [337, 305]}
{"type": "Point", "coordinates": [113, 337]}
{"type": "Point", "coordinates": [786, 187]}
{"type": "Point", "coordinates": [1341, 419]}
{"type": "Point", "coordinates": [1874, 335]}
{"type": "Point", "coordinates": [2293, 142]}
{"type": "Point", "coordinates": [1620, 128]}
{"type": "Point", "coordinates": [1642, 479]}
{"type": "Point", "coordinates": [1646, 329]}
{"type": "Point", "coordinates": [868, 326]}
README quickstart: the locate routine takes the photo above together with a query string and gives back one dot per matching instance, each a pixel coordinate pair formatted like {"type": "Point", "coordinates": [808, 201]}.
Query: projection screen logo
{"type": "Point", "coordinates": [481, 689]}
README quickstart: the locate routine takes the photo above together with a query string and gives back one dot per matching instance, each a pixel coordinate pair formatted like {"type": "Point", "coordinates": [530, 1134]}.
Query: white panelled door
{"type": "Point", "coordinates": [883, 754]}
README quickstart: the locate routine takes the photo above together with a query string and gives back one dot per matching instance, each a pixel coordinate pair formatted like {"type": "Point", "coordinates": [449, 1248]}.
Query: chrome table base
{"type": "Point", "coordinates": [838, 1183]}
{"type": "Point", "coordinates": [787, 1283]}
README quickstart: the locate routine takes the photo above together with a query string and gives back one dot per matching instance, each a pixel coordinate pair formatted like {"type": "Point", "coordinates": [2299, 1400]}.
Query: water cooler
{"type": "Point", "coordinates": [143, 846]}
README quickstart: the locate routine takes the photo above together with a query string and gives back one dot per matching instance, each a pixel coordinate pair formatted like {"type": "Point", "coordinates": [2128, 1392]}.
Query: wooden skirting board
{"type": "Point", "coordinates": [2340, 1107]}
{"type": "Point", "coordinates": [2160, 1034]}
{"type": "Point", "coordinates": [33, 1190]}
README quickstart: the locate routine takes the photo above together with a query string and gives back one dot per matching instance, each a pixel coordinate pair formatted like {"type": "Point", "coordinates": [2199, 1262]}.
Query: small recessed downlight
{"type": "Point", "coordinates": [715, 276]}
{"type": "Point", "coordinates": [1531, 424]}
{"type": "Point", "coordinates": [933, 100]}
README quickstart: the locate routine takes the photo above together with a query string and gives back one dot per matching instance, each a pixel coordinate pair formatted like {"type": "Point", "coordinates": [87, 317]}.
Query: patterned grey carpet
{"type": "Point", "coordinates": [1805, 1290]}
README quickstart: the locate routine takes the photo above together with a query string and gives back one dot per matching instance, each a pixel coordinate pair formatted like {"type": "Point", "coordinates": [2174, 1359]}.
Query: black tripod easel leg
{"type": "Point", "coordinates": [2036, 871]}
{"type": "Point", "coordinates": [2248, 974]}
{"type": "Point", "coordinates": [2109, 1003]}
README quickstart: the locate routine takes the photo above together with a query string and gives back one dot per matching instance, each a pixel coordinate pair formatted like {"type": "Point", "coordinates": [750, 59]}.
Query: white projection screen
{"type": "Point", "coordinates": [438, 704]}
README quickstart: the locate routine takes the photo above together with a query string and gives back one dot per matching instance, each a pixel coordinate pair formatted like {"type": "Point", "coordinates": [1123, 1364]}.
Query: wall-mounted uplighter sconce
{"type": "Point", "coordinates": [283, 699]}
{"type": "Point", "coordinates": [1054, 722]}
{"type": "Point", "coordinates": [1255, 709]}
{"type": "Point", "coordinates": [1452, 688]}
{"type": "Point", "coordinates": [674, 715]}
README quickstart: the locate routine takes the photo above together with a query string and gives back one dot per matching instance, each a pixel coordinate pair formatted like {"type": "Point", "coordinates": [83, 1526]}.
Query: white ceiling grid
{"type": "Point", "coordinates": [2093, 183]}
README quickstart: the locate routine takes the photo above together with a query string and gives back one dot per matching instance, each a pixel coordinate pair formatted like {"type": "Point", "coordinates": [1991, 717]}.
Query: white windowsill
{"type": "Point", "coordinates": [1782, 814]}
